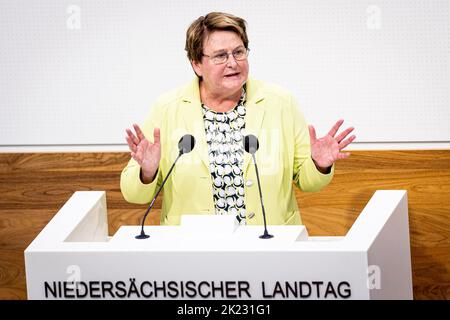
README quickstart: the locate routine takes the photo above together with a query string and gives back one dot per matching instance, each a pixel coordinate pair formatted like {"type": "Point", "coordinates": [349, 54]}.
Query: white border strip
{"type": "Point", "coordinates": [124, 147]}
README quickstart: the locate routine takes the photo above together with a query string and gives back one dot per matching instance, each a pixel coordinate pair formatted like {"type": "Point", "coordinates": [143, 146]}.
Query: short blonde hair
{"type": "Point", "coordinates": [204, 25]}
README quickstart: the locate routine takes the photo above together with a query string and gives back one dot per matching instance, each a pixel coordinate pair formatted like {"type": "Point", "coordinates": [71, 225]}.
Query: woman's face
{"type": "Point", "coordinates": [226, 78]}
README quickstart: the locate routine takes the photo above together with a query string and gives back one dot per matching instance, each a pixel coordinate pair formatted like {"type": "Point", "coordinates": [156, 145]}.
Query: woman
{"type": "Point", "coordinates": [219, 107]}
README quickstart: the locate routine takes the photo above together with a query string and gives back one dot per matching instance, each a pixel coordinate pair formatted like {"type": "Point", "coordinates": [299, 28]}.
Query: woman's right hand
{"type": "Point", "coordinates": [146, 154]}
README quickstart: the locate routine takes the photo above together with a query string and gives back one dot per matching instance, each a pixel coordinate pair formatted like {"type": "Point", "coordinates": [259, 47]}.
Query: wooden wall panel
{"type": "Point", "coordinates": [33, 186]}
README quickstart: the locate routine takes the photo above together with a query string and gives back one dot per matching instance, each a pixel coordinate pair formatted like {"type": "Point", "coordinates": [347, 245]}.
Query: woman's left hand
{"type": "Point", "coordinates": [325, 151]}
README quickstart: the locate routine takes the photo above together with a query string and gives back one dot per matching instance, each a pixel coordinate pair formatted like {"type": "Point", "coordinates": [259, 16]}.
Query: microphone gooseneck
{"type": "Point", "coordinates": [251, 145]}
{"type": "Point", "coordinates": [185, 145]}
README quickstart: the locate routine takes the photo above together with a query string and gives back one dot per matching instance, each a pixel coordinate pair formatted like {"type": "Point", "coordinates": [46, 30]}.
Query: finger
{"type": "Point", "coordinates": [138, 154]}
{"type": "Point", "coordinates": [156, 135]}
{"type": "Point", "coordinates": [343, 155]}
{"type": "Point", "coordinates": [344, 134]}
{"type": "Point", "coordinates": [335, 128]}
{"type": "Point", "coordinates": [139, 133]}
{"type": "Point", "coordinates": [345, 143]}
{"type": "Point", "coordinates": [129, 133]}
{"type": "Point", "coordinates": [130, 143]}
{"type": "Point", "coordinates": [312, 134]}
{"type": "Point", "coordinates": [133, 138]}
{"type": "Point", "coordinates": [134, 155]}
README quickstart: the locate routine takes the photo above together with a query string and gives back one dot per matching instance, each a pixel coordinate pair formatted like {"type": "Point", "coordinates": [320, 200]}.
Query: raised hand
{"type": "Point", "coordinates": [325, 151]}
{"type": "Point", "coordinates": [146, 154]}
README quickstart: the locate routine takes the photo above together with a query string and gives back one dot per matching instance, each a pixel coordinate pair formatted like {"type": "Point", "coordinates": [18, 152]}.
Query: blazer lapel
{"type": "Point", "coordinates": [193, 118]}
{"type": "Point", "coordinates": [254, 116]}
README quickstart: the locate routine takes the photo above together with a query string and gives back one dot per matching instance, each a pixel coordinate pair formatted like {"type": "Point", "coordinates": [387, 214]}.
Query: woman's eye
{"type": "Point", "coordinates": [221, 56]}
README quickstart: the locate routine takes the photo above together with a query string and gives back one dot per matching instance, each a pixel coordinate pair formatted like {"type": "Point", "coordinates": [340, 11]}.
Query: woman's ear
{"type": "Point", "coordinates": [197, 67]}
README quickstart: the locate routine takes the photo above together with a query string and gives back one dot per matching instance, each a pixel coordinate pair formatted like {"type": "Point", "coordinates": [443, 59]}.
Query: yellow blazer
{"type": "Point", "coordinates": [284, 157]}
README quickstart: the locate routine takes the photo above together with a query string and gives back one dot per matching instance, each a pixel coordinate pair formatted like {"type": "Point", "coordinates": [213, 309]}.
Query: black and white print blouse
{"type": "Point", "coordinates": [224, 135]}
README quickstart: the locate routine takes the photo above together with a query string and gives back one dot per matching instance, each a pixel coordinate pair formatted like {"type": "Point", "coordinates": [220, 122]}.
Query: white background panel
{"type": "Point", "coordinates": [80, 72]}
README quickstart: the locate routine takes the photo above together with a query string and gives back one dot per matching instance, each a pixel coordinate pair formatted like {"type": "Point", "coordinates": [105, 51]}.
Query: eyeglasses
{"type": "Point", "coordinates": [238, 54]}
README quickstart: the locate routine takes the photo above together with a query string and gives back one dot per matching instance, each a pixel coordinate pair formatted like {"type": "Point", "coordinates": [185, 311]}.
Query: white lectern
{"type": "Point", "coordinates": [208, 257]}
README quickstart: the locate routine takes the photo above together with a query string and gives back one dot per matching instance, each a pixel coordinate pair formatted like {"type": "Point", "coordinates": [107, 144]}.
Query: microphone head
{"type": "Point", "coordinates": [186, 143]}
{"type": "Point", "coordinates": [251, 144]}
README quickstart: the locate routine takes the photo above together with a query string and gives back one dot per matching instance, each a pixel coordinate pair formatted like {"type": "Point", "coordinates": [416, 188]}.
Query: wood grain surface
{"type": "Point", "coordinates": [34, 186]}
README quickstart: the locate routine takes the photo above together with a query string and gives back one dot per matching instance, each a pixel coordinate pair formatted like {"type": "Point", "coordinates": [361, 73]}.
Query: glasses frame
{"type": "Point", "coordinates": [232, 53]}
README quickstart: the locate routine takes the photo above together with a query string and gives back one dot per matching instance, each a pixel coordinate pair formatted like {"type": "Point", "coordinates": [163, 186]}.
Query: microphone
{"type": "Point", "coordinates": [251, 145]}
{"type": "Point", "coordinates": [185, 145]}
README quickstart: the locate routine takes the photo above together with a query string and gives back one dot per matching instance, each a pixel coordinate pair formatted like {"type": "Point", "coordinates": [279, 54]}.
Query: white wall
{"type": "Point", "coordinates": [75, 74]}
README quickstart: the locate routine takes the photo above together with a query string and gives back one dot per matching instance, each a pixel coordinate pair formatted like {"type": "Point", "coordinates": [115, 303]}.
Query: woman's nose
{"type": "Point", "coordinates": [231, 62]}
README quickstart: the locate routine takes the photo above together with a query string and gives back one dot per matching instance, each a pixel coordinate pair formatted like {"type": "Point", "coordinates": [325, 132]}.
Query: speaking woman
{"type": "Point", "coordinates": [219, 107]}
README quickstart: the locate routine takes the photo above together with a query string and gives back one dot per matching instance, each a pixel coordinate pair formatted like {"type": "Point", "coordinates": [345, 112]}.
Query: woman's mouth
{"type": "Point", "coordinates": [232, 75]}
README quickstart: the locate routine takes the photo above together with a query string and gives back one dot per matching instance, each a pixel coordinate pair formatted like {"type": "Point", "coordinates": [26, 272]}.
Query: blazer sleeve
{"type": "Point", "coordinates": [306, 175]}
{"type": "Point", "coordinates": [131, 186]}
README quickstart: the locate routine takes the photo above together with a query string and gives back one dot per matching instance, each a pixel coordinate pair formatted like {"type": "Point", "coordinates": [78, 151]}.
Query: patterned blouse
{"type": "Point", "coordinates": [224, 135]}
